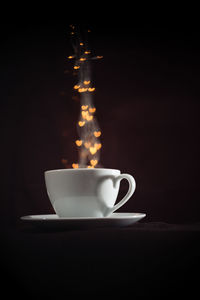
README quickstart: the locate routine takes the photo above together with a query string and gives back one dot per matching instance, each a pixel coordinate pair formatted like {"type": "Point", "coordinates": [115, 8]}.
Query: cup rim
{"type": "Point", "coordinates": [80, 169]}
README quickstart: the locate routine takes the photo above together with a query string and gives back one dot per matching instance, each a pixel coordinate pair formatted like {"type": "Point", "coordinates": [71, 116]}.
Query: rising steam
{"type": "Point", "coordinates": [87, 126]}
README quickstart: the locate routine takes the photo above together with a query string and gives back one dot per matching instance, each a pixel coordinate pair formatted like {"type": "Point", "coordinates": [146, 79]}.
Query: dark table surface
{"type": "Point", "coordinates": [145, 258]}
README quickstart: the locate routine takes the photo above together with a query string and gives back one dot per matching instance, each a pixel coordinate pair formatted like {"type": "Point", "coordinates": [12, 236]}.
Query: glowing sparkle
{"type": "Point", "coordinates": [91, 89]}
{"type": "Point", "coordinates": [98, 146]}
{"type": "Point", "coordinates": [88, 142]}
{"type": "Point", "coordinates": [82, 90]}
{"type": "Point", "coordinates": [78, 143]}
{"type": "Point", "coordinates": [84, 114]}
{"type": "Point", "coordinates": [94, 162]}
{"type": "Point", "coordinates": [81, 123]}
{"type": "Point", "coordinates": [86, 82]}
{"type": "Point", "coordinates": [87, 145]}
{"type": "Point", "coordinates": [93, 150]}
{"type": "Point", "coordinates": [97, 133]}
{"type": "Point", "coordinates": [75, 166]}
{"type": "Point", "coordinates": [76, 87]}
{"type": "Point", "coordinates": [92, 110]}
{"type": "Point", "coordinates": [89, 118]}
{"type": "Point", "coordinates": [84, 107]}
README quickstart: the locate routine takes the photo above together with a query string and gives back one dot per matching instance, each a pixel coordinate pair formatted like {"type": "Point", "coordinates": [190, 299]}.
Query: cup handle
{"type": "Point", "coordinates": [132, 186]}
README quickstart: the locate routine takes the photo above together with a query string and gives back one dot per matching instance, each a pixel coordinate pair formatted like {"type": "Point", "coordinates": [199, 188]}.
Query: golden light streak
{"type": "Point", "coordinates": [97, 133]}
{"type": "Point", "coordinates": [81, 123]}
{"type": "Point", "coordinates": [78, 142]}
{"type": "Point", "coordinates": [94, 162]}
{"type": "Point", "coordinates": [84, 107]}
{"type": "Point", "coordinates": [88, 141]}
{"type": "Point", "coordinates": [75, 166]}
{"type": "Point", "coordinates": [92, 110]}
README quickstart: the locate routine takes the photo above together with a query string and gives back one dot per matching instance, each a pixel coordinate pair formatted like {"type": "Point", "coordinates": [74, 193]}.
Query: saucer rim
{"type": "Point", "coordinates": [117, 216]}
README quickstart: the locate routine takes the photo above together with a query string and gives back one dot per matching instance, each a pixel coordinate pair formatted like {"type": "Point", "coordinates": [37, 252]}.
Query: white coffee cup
{"type": "Point", "coordinates": [86, 192]}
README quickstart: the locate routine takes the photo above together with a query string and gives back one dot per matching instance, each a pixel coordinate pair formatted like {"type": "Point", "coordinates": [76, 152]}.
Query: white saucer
{"type": "Point", "coordinates": [53, 221]}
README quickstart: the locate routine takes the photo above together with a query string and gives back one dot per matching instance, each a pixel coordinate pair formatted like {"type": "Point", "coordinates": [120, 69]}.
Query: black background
{"type": "Point", "coordinates": [147, 99]}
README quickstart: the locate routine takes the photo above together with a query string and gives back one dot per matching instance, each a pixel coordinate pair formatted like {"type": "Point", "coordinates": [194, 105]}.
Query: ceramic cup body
{"type": "Point", "coordinates": [86, 192]}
